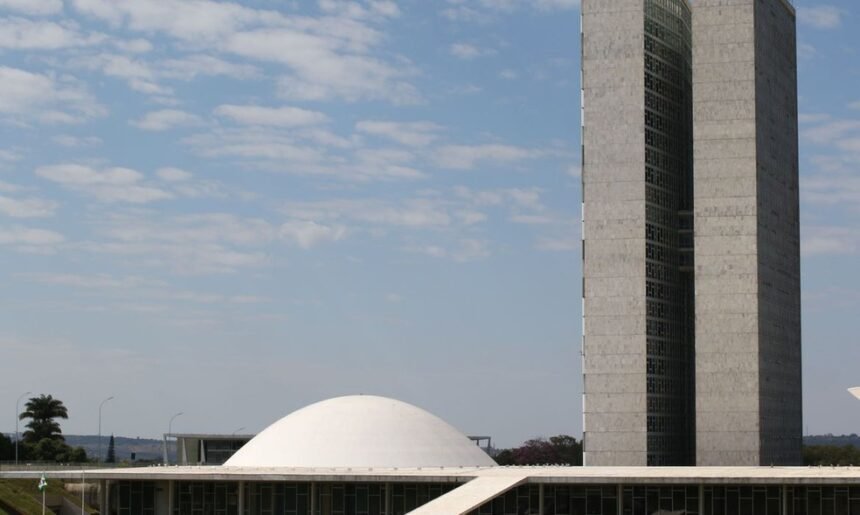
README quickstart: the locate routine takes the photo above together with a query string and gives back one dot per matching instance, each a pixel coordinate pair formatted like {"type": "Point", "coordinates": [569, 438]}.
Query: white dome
{"type": "Point", "coordinates": [361, 431]}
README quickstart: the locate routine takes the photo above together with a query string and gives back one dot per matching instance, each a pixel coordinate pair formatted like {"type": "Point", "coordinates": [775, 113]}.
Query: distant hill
{"type": "Point", "coordinates": [839, 441]}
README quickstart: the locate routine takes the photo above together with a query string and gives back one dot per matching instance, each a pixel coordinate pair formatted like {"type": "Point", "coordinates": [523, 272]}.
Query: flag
{"type": "Point", "coordinates": [43, 483]}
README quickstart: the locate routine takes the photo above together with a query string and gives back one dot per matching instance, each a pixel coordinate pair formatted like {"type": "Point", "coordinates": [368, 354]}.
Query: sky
{"type": "Point", "coordinates": [234, 209]}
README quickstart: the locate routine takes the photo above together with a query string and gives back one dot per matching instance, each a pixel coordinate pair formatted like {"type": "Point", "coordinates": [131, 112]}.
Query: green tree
{"type": "Point", "coordinates": [111, 452]}
{"type": "Point", "coordinates": [827, 455]}
{"type": "Point", "coordinates": [42, 412]}
{"type": "Point", "coordinates": [7, 448]}
{"type": "Point", "coordinates": [557, 450]}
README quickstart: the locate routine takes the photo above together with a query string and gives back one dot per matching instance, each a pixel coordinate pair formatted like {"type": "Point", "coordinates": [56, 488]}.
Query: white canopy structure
{"type": "Point", "coordinates": [855, 391]}
{"type": "Point", "coordinates": [361, 431]}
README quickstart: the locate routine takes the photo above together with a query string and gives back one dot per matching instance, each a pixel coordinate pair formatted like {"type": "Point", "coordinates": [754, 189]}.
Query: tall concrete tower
{"type": "Point", "coordinates": [691, 300]}
{"type": "Point", "coordinates": [637, 232]}
{"type": "Point", "coordinates": [747, 244]}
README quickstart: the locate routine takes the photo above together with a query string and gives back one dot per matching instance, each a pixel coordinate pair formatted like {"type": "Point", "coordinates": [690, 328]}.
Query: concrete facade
{"type": "Point", "coordinates": [748, 375]}
{"type": "Point", "coordinates": [691, 264]}
{"type": "Point", "coordinates": [637, 166]}
{"type": "Point", "coordinates": [614, 310]}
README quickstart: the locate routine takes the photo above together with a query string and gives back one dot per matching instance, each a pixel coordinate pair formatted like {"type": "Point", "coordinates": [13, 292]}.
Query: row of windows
{"type": "Point", "coordinates": [667, 162]}
{"type": "Point", "coordinates": [661, 198]}
{"type": "Point", "coordinates": [663, 71]}
{"type": "Point", "coordinates": [669, 54]}
{"type": "Point", "coordinates": [660, 272]}
{"type": "Point", "coordinates": [665, 35]}
{"type": "Point", "coordinates": [660, 216]}
{"type": "Point", "coordinates": [664, 349]}
{"type": "Point", "coordinates": [557, 500]}
{"type": "Point", "coordinates": [661, 179]}
{"type": "Point", "coordinates": [676, 9]}
{"type": "Point", "coordinates": [664, 88]}
{"type": "Point", "coordinates": [668, 144]}
{"type": "Point", "coordinates": [669, 110]}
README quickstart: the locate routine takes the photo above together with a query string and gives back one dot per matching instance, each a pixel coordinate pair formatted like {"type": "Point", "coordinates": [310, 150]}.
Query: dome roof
{"type": "Point", "coordinates": [361, 431]}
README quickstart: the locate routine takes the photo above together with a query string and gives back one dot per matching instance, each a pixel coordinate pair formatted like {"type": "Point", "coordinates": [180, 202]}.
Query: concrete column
{"type": "Point", "coordinates": [540, 500]}
{"type": "Point", "coordinates": [241, 500]}
{"type": "Point", "coordinates": [701, 499]}
{"type": "Point", "coordinates": [387, 498]}
{"type": "Point", "coordinates": [620, 504]}
{"type": "Point", "coordinates": [171, 488]}
{"type": "Point", "coordinates": [102, 496]}
{"type": "Point", "coordinates": [313, 498]}
{"type": "Point", "coordinates": [784, 499]}
{"type": "Point", "coordinates": [107, 510]}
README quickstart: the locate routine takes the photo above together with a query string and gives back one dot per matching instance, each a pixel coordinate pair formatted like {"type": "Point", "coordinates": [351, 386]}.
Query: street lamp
{"type": "Point", "coordinates": [169, 432]}
{"type": "Point", "coordinates": [855, 391]}
{"type": "Point", "coordinates": [100, 427]}
{"type": "Point", "coordinates": [17, 414]}
{"type": "Point", "coordinates": [236, 431]}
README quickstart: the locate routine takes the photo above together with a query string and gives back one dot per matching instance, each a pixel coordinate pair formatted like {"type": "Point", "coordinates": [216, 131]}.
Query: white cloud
{"type": "Point", "coordinates": [24, 34]}
{"type": "Point", "coordinates": [303, 151]}
{"type": "Point", "coordinates": [189, 67]}
{"type": "Point", "coordinates": [413, 134]}
{"type": "Point", "coordinates": [33, 7]}
{"type": "Point", "coordinates": [560, 244]}
{"type": "Point", "coordinates": [308, 234]}
{"type": "Point", "coordinates": [467, 51]}
{"type": "Point", "coordinates": [821, 16]}
{"type": "Point", "coordinates": [133, 46]}
{"type": "Point", "coordinates": [96, 282]}
{"type": "Point", "coordinates": [69, 141]}
{"type": "Point", "coordinates": [557, 5]}
{"type": "Point", "coordinates": [173, 175]}
{"type": "Point", "coordinates": [412, 213]}
{"type": "Point", "coordinates": [483, 11]}
{"type": "Point", "coordinates": [830, 241]}
{"type": "Point", "coordinates": [25, 95]}
{"type": "Point", "coordinates": [463, 157]}
{"type": "Point", "coordinates": [375, 10]}
{"type": "Point", "coordinates": [324, 58]}
{"type": "Point", "coordinates": [138, 74]}
{"type": "Point", "coordinates": [854, 105]}
{"type": "Point", "coordinates": [575, 170]}
{"type": "Point", "coordinates": [271, 116]}
{"type": "Point", "coordinates": [166, 119]}
{"type": "Point", "coordinates": [109, 185]}
{"type": "Point", "coordinates": [833, 130]}
{"type": "Point", "coordinates": [509, 74]}
{"type": "Point", "coordinates": [27, 208]}
{"type": "Point", "coordinates": [190, 244]}
{"type": "Point", "coordinates": [463, 251]}
{"type": "Point", "coordinates": [28, 239]}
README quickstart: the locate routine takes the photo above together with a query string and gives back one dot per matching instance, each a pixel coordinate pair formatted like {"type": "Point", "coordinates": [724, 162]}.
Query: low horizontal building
{"type": "Point", "coordinates": [367, 455]}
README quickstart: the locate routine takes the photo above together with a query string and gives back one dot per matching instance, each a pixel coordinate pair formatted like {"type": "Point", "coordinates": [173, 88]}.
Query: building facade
{"type": "Point", "coordinates": [684, 185]}
{"type": "Point", "coordinates": [747, 241]}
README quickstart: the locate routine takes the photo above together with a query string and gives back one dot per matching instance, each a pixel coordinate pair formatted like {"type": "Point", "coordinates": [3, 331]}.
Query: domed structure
{"type": "Point", "coordinates": [361, 431]}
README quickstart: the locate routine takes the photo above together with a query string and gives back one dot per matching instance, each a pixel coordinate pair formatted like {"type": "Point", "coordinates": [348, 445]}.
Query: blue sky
{"type": "Point", "coordinates": [235, 209]}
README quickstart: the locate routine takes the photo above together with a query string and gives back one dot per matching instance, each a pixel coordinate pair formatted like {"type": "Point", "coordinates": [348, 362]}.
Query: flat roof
{"type": "Point", "coordinates": [548, 474]}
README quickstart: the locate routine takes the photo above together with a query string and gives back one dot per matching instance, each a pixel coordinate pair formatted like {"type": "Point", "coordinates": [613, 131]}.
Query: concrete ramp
{"type": "Point", "coordinates": [470, 496]}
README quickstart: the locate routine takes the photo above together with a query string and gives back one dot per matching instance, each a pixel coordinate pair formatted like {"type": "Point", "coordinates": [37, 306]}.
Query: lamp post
{"type": "Point", "coordinates": [17, 414]}
{"type": "Point", "coordinates": [169, 432]}
{"type": "Point", "coordinates": [236, 431]}
{"type": "Point", "coordinates": [100, 427]}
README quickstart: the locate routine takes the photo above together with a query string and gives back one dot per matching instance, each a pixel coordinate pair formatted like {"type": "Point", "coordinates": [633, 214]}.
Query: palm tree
{"type": "Point", "coordinates": [42, 411]}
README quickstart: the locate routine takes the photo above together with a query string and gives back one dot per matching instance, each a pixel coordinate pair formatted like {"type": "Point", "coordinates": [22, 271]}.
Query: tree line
{"type": "Point", "coordinates": [43, 438]}
{"type": "Point", "coordinates": [566, 450]}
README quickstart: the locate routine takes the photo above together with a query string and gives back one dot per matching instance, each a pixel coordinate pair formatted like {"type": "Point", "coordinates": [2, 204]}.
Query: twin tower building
{"type": "Point", "coordinates": [691, 253]}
